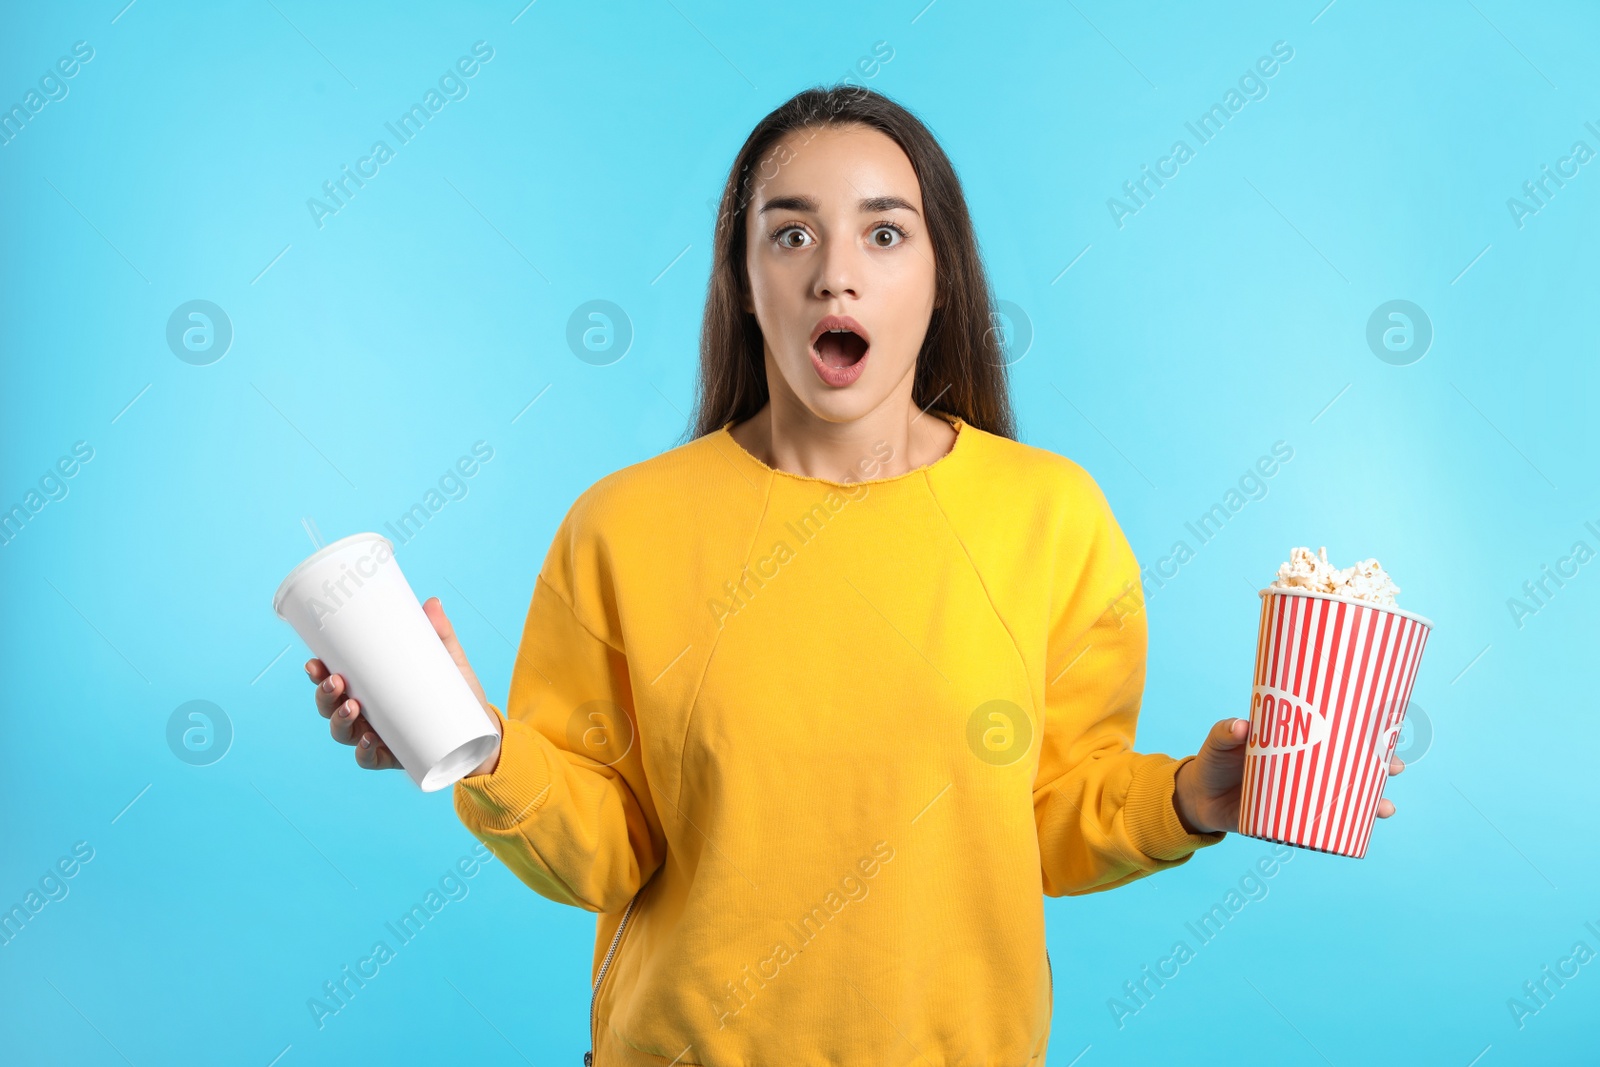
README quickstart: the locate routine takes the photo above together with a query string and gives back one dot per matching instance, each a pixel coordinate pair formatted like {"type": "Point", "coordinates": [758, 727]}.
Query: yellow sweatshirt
{"type": "Point", "coordinates": [815, 751]}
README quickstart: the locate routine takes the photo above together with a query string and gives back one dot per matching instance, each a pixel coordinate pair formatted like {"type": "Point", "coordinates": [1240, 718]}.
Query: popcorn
{"type": "Point", "coordinates": [1365, 580]}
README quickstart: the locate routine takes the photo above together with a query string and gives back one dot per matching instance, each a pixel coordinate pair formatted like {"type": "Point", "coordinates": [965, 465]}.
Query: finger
{"type": "Point", "coordinates": [447, 634]}
{"type": "Point", "coordinates": [347, 724]}
{"type": "Point", "coordinates": [330, 694]}
{"type": "Point", "coordinates": [1385, 808]}
{"type": "Point", "coordinates": [433, 607]}
{"type": "Point", "coordinates": [1396, 765]}
{"type": "Point", "coordinates": [373, 754]}
{"type": "Point", "coordinates": [1229, 734]}
{"type": "Point", "coordinates": [316, 670]}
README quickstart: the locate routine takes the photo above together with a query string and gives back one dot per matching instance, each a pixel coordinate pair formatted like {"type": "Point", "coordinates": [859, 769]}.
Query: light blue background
{"type": "Point", "coordinates": [428, 313]}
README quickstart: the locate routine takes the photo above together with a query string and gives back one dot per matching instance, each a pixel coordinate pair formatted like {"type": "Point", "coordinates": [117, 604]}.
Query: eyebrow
{"type": "Point", "coordinates": [809, 203]}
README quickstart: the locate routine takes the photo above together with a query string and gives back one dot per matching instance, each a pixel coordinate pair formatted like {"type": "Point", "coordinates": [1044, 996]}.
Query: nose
{"type": "Point", "coordinates": [836, 271]}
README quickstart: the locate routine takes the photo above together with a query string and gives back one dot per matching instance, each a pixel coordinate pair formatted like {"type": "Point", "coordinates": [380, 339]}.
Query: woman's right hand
{"type": "Point", "coordinates": [343, 711]}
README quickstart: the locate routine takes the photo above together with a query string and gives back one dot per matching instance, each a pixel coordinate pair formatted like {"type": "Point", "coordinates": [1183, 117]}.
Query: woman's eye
{"type": "Point", "coordinates": [796, 237]}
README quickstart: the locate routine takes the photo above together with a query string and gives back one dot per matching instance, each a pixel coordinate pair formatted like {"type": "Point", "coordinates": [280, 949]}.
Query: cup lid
{"type": "Point", "coordinates": [1424, 620]}
{"type": "Point", "coordinates": [320, 554]}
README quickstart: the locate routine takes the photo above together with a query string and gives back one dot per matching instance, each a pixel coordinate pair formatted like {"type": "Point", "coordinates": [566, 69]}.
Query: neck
{"type": "Point", "coordinates": [889, 440]}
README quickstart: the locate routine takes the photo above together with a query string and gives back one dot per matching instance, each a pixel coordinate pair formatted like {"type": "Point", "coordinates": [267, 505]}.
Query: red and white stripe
{"type": "Point", "coordinates": [1353, 664]}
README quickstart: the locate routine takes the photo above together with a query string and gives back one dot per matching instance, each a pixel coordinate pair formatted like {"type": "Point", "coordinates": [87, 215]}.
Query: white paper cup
{"type": "Point", "coordinates": [349, 602]}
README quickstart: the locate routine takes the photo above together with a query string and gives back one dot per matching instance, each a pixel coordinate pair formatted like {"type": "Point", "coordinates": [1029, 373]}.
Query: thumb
{"type": "Point", "coordinates": [447, 634]}
{"type": "Point", "coordinates": [1229, 735]}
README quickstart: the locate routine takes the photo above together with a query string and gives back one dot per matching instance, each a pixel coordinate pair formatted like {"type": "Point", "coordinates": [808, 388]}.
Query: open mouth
{"type": "Point", "coordinates": [840, 348]}
{"type": "Point", "coordinates": [839, 343]}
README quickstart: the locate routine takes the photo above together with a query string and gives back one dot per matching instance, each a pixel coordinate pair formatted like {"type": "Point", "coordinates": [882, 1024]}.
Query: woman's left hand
{"type": "Point", "coordinates": [1207, 787]}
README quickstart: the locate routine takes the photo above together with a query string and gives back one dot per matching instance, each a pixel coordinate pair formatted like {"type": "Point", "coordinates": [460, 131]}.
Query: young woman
{"type": "Point", "coordinates": [814, 709]}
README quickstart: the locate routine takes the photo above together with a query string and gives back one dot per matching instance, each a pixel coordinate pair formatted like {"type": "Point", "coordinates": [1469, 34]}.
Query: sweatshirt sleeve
{"type": "Point", "coordinates": [568, 807]}
{"type": "Point", "coordinates": [1104, 812]}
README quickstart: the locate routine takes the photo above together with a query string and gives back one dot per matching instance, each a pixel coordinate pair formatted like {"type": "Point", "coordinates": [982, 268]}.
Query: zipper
{"type": "Point", "coordinates": [594, 997]}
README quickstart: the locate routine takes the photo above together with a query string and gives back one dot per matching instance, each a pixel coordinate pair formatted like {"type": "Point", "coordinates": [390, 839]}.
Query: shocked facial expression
{"type": "Point", "coordinates": [842, 279]}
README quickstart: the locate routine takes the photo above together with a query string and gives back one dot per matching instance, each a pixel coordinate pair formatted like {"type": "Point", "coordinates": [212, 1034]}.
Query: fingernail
{"type": "Point", "coordinates": [327, 684]}
{"type": "Point", "coordinates": [347, 709]}
{"type": "Point", "coordinates": [366, 742]}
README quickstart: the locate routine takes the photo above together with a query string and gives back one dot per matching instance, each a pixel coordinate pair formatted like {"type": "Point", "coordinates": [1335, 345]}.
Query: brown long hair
{"type": "Point", "coordinates": [961, 367]}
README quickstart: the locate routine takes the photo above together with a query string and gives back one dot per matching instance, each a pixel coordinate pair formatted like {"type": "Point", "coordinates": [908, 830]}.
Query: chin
{"type": "Point", "coordinates": [830, 403]}
{"type": "Point", "coordinates": [839, 405]}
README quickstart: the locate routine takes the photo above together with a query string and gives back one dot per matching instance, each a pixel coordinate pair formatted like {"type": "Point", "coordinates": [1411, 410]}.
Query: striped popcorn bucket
{"type": "Point", "coordinates": [1333, 678]}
